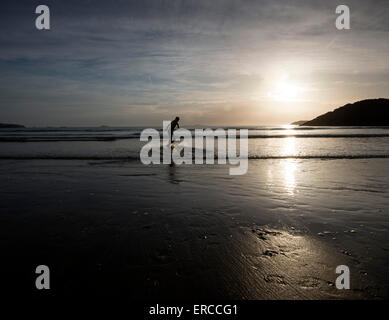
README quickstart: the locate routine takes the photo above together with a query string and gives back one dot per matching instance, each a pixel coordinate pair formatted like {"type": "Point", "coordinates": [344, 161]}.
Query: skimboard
{"type": "Point", "coordinates": [174, 144]}
{"type": "Point", "coordinates": [167, 144]}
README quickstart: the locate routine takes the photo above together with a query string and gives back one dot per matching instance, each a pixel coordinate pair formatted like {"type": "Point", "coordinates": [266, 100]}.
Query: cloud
{"type": "Point", "coordinates": [137, 61]}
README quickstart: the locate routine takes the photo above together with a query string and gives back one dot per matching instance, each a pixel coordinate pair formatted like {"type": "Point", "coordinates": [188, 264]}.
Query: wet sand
{"type": "Point", "coordinates": [161, 232]}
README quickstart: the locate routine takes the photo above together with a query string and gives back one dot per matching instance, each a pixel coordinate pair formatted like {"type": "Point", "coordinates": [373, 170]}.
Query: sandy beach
{"type": "Point", "coordinates": [195, 154]}
{"type": "Point", "coordinates": [178, 232]}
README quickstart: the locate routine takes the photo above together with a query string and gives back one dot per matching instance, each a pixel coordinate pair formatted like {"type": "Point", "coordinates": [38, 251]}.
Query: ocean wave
{"type": "Point", "coordinates": [136, 158]}
{"type": "Point", "coordinates": [356, 135]}
{"type": "Point", "coordinates": [61, 138]}
{"type": "Point", "coordinates": [138, 129]}
{"type": "Point", "coordinates": [137, 136]}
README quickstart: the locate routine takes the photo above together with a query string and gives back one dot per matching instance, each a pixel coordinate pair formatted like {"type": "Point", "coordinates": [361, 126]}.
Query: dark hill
{"type": "Point", "coordinates": [370, 112]}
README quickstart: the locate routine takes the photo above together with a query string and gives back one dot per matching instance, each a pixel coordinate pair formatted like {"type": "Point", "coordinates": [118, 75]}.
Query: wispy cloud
{"type": "Point", "coordinates": [138, 62]}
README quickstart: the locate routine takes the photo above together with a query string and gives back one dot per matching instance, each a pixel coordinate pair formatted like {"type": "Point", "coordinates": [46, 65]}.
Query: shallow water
{"type": "Point", "coordinates": [263, 142]}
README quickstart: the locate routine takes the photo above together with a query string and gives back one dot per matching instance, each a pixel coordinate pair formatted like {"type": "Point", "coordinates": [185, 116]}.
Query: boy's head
{"type": "Point", "coordinates": [177, 118]}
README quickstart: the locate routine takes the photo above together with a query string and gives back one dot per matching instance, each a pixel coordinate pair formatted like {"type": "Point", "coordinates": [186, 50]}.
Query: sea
{"type": "Point", "coordinates": [265, 142]}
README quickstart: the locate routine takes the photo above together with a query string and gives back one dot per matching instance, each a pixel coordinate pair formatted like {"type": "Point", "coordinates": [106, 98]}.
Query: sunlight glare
{"type": "Point", "coordinates": [285, 92]}
{"type": "Point", "coordinates": [289, 173]}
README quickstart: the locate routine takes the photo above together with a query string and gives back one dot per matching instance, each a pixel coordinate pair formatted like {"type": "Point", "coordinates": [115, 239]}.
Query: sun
{"type": "Point", "coordinates": [286, 92]}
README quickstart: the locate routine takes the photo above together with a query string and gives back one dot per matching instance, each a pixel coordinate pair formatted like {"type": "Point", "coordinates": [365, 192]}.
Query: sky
{"type": "Point", "coordinates": [235, 63]}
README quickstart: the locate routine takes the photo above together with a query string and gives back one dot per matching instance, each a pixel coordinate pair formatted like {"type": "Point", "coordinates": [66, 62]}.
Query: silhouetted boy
{"type": "Point", "coordinates": [173, 126]}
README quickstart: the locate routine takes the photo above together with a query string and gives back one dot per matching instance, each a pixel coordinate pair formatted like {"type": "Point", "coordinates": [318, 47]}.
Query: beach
{"type": "Point", "coordinates": [178, 156]}
{"type": "Point", "coordinates": [118, 227]}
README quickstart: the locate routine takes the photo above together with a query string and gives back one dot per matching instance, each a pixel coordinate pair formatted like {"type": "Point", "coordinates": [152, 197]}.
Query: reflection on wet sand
{"type": "Point", "coordinates": [193, 232]}
{"type": "Point", "coordinates": [281, 264]}
{"type": "Point", "coordinates": [289, 178]}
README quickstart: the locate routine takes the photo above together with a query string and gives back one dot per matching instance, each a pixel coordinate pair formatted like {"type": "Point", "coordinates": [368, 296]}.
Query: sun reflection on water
{"type": "Point", "coordinates": [289, 146]}
{"type": "Point", "coordinates": [289, 165]}
{"type": "Point", "coordinates": [288, 130]}
{"type": "Point", "coordinates": [281, 176]}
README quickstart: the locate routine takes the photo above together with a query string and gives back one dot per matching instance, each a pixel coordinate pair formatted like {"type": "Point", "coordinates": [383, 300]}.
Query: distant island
{"type": "Point", "coordinates": [299, 123]}
{"type": "Point", "coordinates": [10, 125]}
{"type": "Point", "coordinates": [370, 112]}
